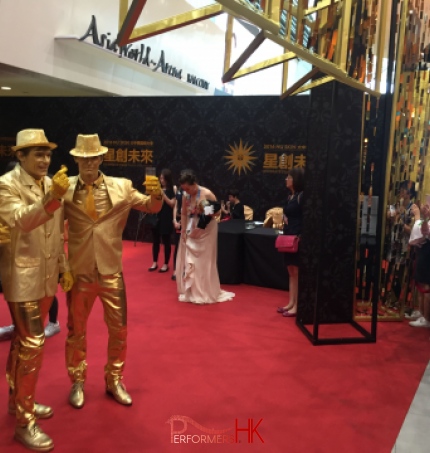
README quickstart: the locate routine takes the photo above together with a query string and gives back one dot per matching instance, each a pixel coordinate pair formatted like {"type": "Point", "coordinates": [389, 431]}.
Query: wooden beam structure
{"type": "Point", "coordinates": [255, 44]}
{"type": "Point", "coordinates": [328, 27]}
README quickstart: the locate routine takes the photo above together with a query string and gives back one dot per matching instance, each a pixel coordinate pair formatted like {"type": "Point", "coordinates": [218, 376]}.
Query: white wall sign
{"type": "Point", "coordinates": [141, 54]}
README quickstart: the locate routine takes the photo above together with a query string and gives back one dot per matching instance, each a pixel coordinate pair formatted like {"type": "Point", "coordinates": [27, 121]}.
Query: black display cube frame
{"type": "Point", "coordinates": [329, 236]}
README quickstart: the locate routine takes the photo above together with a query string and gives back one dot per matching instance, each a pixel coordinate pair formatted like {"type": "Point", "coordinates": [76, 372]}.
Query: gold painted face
{"type": "Point", "coordinates": [36, 161]}
{"type": "Point", "coordinates": [89, 168]}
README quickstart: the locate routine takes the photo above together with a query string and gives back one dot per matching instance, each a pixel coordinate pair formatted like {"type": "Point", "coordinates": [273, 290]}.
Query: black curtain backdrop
{"type": "Point", "coordinates": [186, 132]}
{"type": "Point", "coordinates": [181, 132]}
{"type": "Point", "coordinates": [218, 136]}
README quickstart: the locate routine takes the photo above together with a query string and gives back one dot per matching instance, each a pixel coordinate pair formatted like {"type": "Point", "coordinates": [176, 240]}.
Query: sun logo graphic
{"type": "Point", "coordinates": [240, 157]}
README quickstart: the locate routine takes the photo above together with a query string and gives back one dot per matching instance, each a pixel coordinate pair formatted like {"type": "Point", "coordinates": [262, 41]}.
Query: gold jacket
{"type": "Point", "coordinates": [97, 244]}
{"type": "Point", "coordinates": [33, 258]}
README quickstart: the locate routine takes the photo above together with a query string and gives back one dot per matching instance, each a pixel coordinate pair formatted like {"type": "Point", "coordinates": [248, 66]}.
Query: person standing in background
{"type": "Point", "coordinates": [53, 326]}
{"type": "Point", "coordinates": [162, 231]}
{"type": "Point", "coordinates": [400, 256]}
{"type": "Point", "coordinates": [293, 220]}
{"type": "Point", "coordinates": [32, 209]}
{"type": "Point", "coordinates": [97, 207]}
{"type": "Point", "coordinates": [177, 225]}
{"type": "Point", "coordinates": [234, 208]}
{"type": "Point", "coordinates": [420, 238]}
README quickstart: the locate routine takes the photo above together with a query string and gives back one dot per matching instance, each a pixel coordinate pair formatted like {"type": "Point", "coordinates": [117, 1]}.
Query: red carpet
{"type": "Point", "coordinates": [215, 364]}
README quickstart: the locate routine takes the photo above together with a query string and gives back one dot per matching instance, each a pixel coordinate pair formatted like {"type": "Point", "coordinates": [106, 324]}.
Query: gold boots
{"type": "Point", "coordinates": [32, 437]}
{"type": "Point", "coordinates": [40, 411]}
{"type": "Point", "coordinates": [76, 397]}
{"type": "Point", "coordinates": [117, 390]}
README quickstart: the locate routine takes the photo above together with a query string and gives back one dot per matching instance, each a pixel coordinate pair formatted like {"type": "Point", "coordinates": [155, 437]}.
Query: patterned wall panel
{"type": "Point", "coordinates": [185, 132]}
{"type": "Point", "coordinates": [331, 202]}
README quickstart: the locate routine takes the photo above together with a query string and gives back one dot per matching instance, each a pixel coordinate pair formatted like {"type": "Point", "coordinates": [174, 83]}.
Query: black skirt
{"type": "Point", "coordinates": [292, 259]}
{"type": "Point", "coordinates": [422, 269]}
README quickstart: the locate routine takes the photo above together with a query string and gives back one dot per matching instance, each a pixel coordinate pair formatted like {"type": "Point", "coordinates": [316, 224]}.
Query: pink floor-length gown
{"type": "Point", "coordinates": [197, 273]}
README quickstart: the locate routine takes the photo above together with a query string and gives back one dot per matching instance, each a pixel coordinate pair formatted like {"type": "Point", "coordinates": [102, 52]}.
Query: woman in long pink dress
{"type": "Point", "coordinates": [197, 274]}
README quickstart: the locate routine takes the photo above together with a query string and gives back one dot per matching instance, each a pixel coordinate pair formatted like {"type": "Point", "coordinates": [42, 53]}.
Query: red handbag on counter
{"type": "Point", "coordinates": [287, 244]}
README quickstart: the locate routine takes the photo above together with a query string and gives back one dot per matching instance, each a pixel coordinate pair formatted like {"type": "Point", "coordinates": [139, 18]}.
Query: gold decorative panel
{"type": "Point", "coordinates": [408, 169]}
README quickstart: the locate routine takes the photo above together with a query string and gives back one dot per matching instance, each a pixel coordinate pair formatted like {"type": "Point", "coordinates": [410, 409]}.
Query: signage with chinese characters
{"type": "Point", "coordinates": [281, 158]}
{"type": "Point", "coordinates": [140, 54]}
{"type": "Point", "coordinates": [129, 152]}
{"type": "Point", "coordinates": [277, 158]}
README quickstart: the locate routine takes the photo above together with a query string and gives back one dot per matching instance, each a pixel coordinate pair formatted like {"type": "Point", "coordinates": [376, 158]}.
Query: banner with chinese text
{"type": "Point", "coordinates": [246, 143]}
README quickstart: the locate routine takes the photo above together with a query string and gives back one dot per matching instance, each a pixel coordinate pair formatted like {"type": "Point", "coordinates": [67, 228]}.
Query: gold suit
{"type": "Point", "coordinates": [30, 265]}
{"type": "Point", "coordinates": [95, 257]}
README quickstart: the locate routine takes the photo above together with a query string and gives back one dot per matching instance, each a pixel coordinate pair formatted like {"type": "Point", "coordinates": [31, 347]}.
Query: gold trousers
{"type": "Point", "coordinates": [80, 300]}
{"type": "Point", "coordinates": [26, 355]}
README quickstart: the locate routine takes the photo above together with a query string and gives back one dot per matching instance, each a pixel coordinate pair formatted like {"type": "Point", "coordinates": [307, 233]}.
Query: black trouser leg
{"type": "Point", "coordinates": [155, 244]}
{"type": "Point", "coordinates": [53, 311]}
{"type": "Point", "coordinates": [167, 247]}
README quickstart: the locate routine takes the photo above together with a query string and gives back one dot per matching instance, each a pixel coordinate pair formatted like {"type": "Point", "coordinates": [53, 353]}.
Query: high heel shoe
{"type": "Point", "coordinates": [287, 314]}
{"type": "Point", "coordinates": [163, 270]}
{"type": "Point", "coordinates": [152, 269]}
{"type": "Point", "coordinates": [281, 309]}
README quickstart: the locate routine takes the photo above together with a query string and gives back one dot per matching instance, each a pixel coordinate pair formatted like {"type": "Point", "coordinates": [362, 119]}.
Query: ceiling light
{"type": "Point", "coordinates": [5, 88]}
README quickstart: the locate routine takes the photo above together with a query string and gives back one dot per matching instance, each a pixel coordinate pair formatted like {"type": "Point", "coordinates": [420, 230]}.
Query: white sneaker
{"type": "Point", "coordinates": [52, 328]}
{"type": "Point", "coordinates": [6, 332]}
{"type": "Point", "coordinates": [414, 315]}
{"type": "Point", "coordinates": [420, 322]}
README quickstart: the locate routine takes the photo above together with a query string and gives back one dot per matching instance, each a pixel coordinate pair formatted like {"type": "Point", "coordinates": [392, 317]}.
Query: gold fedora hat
{"type": "Point", "coordinates": [88, 146]}
{"type": "Point", "coordinates": [32, 137]}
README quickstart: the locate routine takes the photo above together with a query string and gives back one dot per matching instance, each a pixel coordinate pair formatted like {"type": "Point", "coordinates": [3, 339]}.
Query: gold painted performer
{"type": "Point", "coordinates": [31, 208]}
{"type": "Point", "coordinates": [97, 207]}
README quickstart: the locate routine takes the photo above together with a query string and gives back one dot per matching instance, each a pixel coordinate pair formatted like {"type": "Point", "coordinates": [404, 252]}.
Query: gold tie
{"type": "Point", "coordinates": [90, 205]}
{"type": "Point", "coordinates": [40, 184]}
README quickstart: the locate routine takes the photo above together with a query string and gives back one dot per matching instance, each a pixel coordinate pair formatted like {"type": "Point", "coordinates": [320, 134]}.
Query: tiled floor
{"type": "Point", "coordinates": [414, 436]}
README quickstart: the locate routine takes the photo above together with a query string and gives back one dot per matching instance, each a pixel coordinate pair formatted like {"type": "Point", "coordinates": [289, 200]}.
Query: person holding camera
{"type": "Point", "coordinates": [163, 229]}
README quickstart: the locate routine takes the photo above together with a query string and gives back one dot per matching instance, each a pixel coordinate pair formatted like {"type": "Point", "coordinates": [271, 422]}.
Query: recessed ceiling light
{"type": "Point", "coordinates": [5, 88]}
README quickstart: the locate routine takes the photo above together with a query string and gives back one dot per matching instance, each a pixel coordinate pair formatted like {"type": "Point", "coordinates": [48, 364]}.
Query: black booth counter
{"type": "Point", "coordinates": [247, 254]}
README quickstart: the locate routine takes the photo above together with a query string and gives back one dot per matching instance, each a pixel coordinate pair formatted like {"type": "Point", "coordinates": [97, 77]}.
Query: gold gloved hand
{"type": "Point", "coordinates": [66, 281]}
{"type": "Point", "coordinates": [60, 183]}
{"type": "Point", "coordinates": [152, 184]}
{"type": "Point", "coordinates": [4, 234]}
